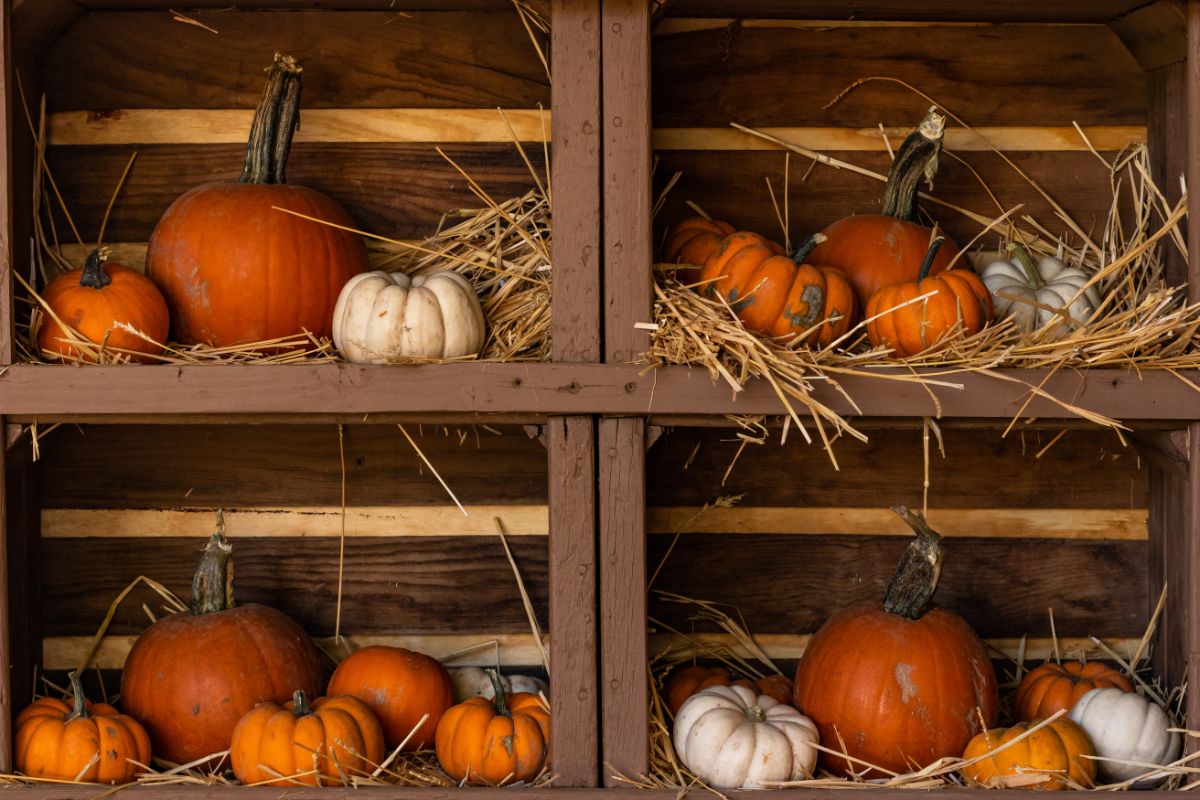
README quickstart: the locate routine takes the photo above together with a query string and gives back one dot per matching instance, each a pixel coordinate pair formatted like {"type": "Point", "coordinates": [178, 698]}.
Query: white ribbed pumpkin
{"type": "Point", "coordinates": [474, 682]}
{"type": "Point", "coordinates": [1126, 727]}
{"type": "Point", "coordinates": [734, 740]}
{"type": "Point", "coordinates": [1018, 283]}
{"type": "Point", "coordinates": [382, 317]}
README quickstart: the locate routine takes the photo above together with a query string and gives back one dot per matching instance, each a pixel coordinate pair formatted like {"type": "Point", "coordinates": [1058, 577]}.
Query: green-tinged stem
{"type": "Point", "coordinates": [809, 245]}
{"type": "Point", "coordinates": [501, 701]}
{"type": "Point", "coordinates": [916, 578]}
{"type": "Point", "coordinates": [1031, 270]}
{"type": "Point", "coordinates": [212, 585]}
{"type": "Point", "coordinates": [930, 255]}
{"type": "Point", "coordinates": [80, 707]}
{"type": "Point", "coordinates": [755, 714]}
{"type": "Point", "coordinates": [916, 158]}
{"type": "Point", "coordinates": [274, 124]}
{"type": "Point", "coordinates": [94, 274]}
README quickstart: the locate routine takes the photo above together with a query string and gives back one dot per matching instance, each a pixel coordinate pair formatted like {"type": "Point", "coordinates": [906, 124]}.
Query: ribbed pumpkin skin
{"type": "Point", "coordinates": [47, 744]}
{"type": "Point", "coordinates": [693, 241]}
{"type": "Point", "coordinates": [479, 745]}
{"type": "Point", "coordinates": [234, 270]}
{"type": "Point", "coordinates": [900, 692]}
{"type": "Point", "coordinates": [916, 327]}
{"type": "Point", "coordinates": [189, 679]}
{"type": "Point", "coordinates": [1051, 687]}
{"type": "Point", "coordinates": [340, 738]}
{"type": "Point", "coordinates": [399, 686]}
{"type": "Point", "coordinates": [1056, 748]}
{"type": "Point", "coordinates": [131, 298]}
{"type": "Point", "coordinates": [688, 681]}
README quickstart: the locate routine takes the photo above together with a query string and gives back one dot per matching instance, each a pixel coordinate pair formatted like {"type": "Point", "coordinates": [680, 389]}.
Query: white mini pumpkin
{"type": "Point", "coordinates": [734, 740]}
{"type": "Point", "coordinates": [383, 317]}
{"type": "Point", "coordinates": [1126, 727]}
{"type": "Point", "coordinates": [474, 682]}
{"type": "Point", "coordinates": [1018, 283]}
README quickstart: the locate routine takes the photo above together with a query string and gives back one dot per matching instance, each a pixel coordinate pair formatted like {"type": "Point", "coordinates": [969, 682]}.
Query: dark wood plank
{"type": "Point", "coordinates": [1167, 141]}
{"type": "Point", "coordinates": [38, 23]}
{"type": "Point", "coordinates": [573, 668]}
{"type": "Point", "coordinates": [281, 466]}
{"type": "Point", "coordinates": [749, 74]}
{"type": "Point", "coordinates": [382, 60]}
{"type": "Point", "coordinates": [792, 584]}
{"type": "Point", "coordinates": [7, 654]}
{"type": "Point", "coordinates": [1188, 607]}
{"type": "Point", "coordinates": [409, 585]}
{"type": "Point", "coordinates": [1168, 566]}
{"type": "Point", "coordinates": [9, 199]}
{"type": "Point", "coordinates": [1192, 105]}
{"type": "Point", "coordinates": [623, 682]}
{"type": "Point", "coordinates": [24, 576]}
{"type": "Point", "coordinates": [1156, 33]}
{"type": "Point", "coordinates": [949, 10]}
{"type": "Point", "coordinates": [1083, 469]}
{"type": "Point", "coordinates": [575, 182]}
{"type": "Point", "coordinates": [396, 190]}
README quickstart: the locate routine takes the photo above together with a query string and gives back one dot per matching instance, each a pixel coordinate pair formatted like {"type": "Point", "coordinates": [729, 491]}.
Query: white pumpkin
{"type": "Point", "coordinates": [1126, 727]}
{"type": "Point", "coordinates": [734, 740]}
{"type": "Point", "coordinates": [383, 317]}
{"type": "Point", "coordinates": [474, 682]}
{"type": "Point", "coordinates": [1018, 283]}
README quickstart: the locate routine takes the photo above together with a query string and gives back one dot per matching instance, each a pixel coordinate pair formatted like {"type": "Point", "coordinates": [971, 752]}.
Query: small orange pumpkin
{"type": "Point", "coordinates": [1055, 750]}
{"type": "Point", "coordinates": [693, 241]}
{"type": "Point", "coordinates": [79, 741]}
{"type": "Point", "coordinates": [694, 678]}
{"type": "Point", "coordinates": [92, 300]}
{"type": "Point", "coordinates": [1051, 687]}
{"type": "Point", "coordinates": [317, 745]}
{"type": "Point", "coordinates": [495, 744]}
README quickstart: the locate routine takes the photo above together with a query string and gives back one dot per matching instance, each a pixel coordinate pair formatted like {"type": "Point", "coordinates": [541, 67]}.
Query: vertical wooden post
{"type": "Point", "coordinates": [628, 241]}
{"type": "Point", "coordinates": [1189, 497]}
{"type": "Point", "coordinates": [6, 650]}
{"type": "Point", "coordinates": [7, 239]}
{"type": "Point", "coordinates": [573, 695]}
{"type": "Point", "coordinates": [623, 677]}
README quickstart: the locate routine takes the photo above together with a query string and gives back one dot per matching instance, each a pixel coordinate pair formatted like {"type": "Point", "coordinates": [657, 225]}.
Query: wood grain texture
{"type": "Point", "coordinates": [623, 681]}
{"type": "Point", "coordinates": [381, 60]}
{"type": "Point", "coordinates": [786, 584]}
{"type": "Point", "coordinates": [1192, 104]}
{"type": "Point", "coordinates": [748, 74]}
{"type": "Point", "coordinates": [23, 578]}
{"type": "Point", "coordinates": [7, 655]}
{"type": "Point", "coordinates": [1168, 566]}
{"type": "Point", "coordinates": [1054, 11]}
{"type": "Point", "coordinates": [1187, 594]}
{"type": "Point", "coordinates": [1156, 33]}
{"type": "Point", "coordinates": [573, 659]}
{"type": "Point", "coordinates": [9, 200]}
{"type": "Point", "coordinates": [1168, 142]}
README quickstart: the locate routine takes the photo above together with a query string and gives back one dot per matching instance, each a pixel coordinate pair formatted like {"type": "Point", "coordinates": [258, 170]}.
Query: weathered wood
{"type": "Point", "coordinates": [1156, 33]}
{"type": "Point", "coordinates": [573, 659]}
{"type": "Point", "coordinates": [623, 681]}
{"type": "Point", "coordinates": [9, 235]}
{"type": "Point", "coordinates": [1192, 106]}
{"type": "Point", "coordinates": [1189, 609]}
{"type": "Point", "coordinates": [1167, 140]}
{"type": "Point", "coordinates": [38, 23]}
{"type": "Point", "coordinates": [1168, 565]}
{"type": "Point", "coordinates": [7, 654]}
{"type": "Point", "coordinates": [23, 579]}
{"type": "Point", "coordinates": [1053, 11]}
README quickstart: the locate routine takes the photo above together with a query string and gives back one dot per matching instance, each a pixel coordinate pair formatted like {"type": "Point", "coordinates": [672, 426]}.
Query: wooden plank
{"type": "Point", "coordinates": [1003, 588]}
{"type": "Point", "coordinates": [1042, 11]}
{"type": "Point", "coordinates": [9, 235]}
{"type": "Point", "coordinates": [573, 690]}
{"type": "Point", "coordinates": [1168, 141]}
{"type": "Point", "coordinates": [627, 173]}
{"type": "Point", "coordinates": [1192, 105]}
{"type": "Point", "coordinates": [7, 654]}
{"type": "Point", "coordinates": [1189, 608]}
{"type": "Point", "coordinates": [623, 680]}
{"type": "Point", "coordinates": [1168, 565]}
{"type": "Point", "coordinates": [1156, 33]}
{"type": "Point", "coordinates": [133, 254]}
{"type": "Point", "coordinates": [23, 579]}
{"type": "Point", "coordinates": [351, 59]}
{"type": "Point", "coordinates": [575, 182]}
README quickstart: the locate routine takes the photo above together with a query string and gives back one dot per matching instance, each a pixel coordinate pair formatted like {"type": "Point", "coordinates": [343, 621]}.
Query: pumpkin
{"type": "Point", "coordinates": [383, 317]}
{"type": "Point", "coordinates": [734, 739]}
{"type": "Point", "coordinates": [192, 675]}
{"type": "Point", "coordinates": [477, 682]}
{"type": "Point", "coordinates": [1053, 687]}
{"type": "Point", "coordinates": [94, 300]}
{"type": "Point", "coordinates": [400, 686]}
{"type": "Point", "coordinates": [959, 302]}
{"type": "Point", "coordinates": [1034, 294]}
{"type": "Point", "coordinates": [1129, 733]}
{"type": "Point", "coordinates": [1057, 750]}
{"type": "Point", "coordinates": [79, 741]}
{"type": "Point", "coordinates": [692, 679]}
{"type": "Point", "coordinates": [693, 241]}
{"type": "Point", "coordinates": [233, 267]}
{"type": "Point", "coordinates": [318, 744]}
{"type": "Point", "coordinates": [878, 250]}
{"type": "Point", "coordinates": [494, 742]}
{"type": "Point", "coordinates": [898, 684]}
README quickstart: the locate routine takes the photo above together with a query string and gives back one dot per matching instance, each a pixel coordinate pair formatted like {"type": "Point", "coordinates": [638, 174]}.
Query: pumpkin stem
{"type": "Point", "coordinates": [94, 275]}
{"type": "Point", "coordinates": [1031, 271]}
{"type": "Point", "coordinates": [501, 701]}
{"type": "Point", "coordinates": [930, 255]}
{"type": "Point", "coordinates": [212, 585]}
{"type": "Point", "coordinates": [80, 709]}
{"type": "Point", "coordinates": [275, 122]}
{"type": "Point", "coordinates": [755, 714]}
{"type": "Point", "coordinates": [300, 704]}
{"type": "Point", "coordinates": [811, 242]}
{"type": "Point", "coordinates": [917, 157]}
{"type": "Point", "coordinates": [916, 577]}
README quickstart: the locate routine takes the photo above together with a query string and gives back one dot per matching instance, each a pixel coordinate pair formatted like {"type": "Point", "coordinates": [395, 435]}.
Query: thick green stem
{"type": "Point", "coordinates": [930, 255]}
{"type": "Point", "coordinates": [916, 158]}
{"type": "Point", "coordinates": [916, 578]}
{"type": "Point", "coordinates": [1031, 270]}
{"type": "Point", "coordinates": [501, 701]}
{"type": "Point", "coordinates": [809, 245]}
{"type": "Point", "coordinates": [212, 585]}
{"type": "Point", "coordinates": [275, 122]}
{"type": "Point", "coordinates": [300, 704]}
{"type": "Point", "coordinates": [94, 274]}
{"type": "Point", "coordinates": [80, 706]}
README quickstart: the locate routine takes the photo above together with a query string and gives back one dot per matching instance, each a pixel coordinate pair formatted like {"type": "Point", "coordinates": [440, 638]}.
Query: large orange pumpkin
{"type": "Point", "coordinates": [400, 686]}
{"type": "Point", "coordinates": [495, 742]}
{"type": "Point", "coordinates": [1056, 751]}
{"type": "Point", "coordinates": [191, 676]}
{"type": "Point", "coordinates": [234, 268]}
{"type": "Point", "coordinates": [1051, 687]}
{"type": "Point", "coordinates": [319, 744]}
{"type": "Point", "coordinates": [693, 241]}
{"type": "Point", "coordinates": [79, 741]}
{"type": "Point", "coordinates": [896, 684]}
{"type": "Point", "coordinates": [688, 681]}
{"type": "Point", "coordinates": [877, 250]}
{"type": "Point", "coordinates": [92, 300]}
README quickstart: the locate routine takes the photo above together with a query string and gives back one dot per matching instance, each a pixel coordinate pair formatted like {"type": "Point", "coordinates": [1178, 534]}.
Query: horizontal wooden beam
{"type": "Point", "coordinates": [133, 254]}
{"type": "Point", "coordinates": [672, 26]}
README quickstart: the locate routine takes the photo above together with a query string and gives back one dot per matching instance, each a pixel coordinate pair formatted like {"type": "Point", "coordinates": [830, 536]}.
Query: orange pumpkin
{"type": "Point", "coordinates": [79, 741]}
{"type": "Point", "coordinates": [495, 743]}
{"type": "Point", "coordinates": [1051, 687]}
{"type": "Point", "coordinates": [959, 301]}
{"type": "Point", "coordinates": [400, 686]}
{"type": "Point", "coordinates": [318, 745]}
{"type": "Point", "coordinates": [1056, 751]}
{"type": "Point", "coordinates": [694, 678]}
{"type": "Point", "coordinates": [92, 300]}
{"type": "Point", "coordinates": [877, 250]}
{"type": "Point", "coordinates": [235, 269]}
{"type": "Point", "coordinates": [897, 684]}
{"type": "Point", "coordinates": [693, 241]}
